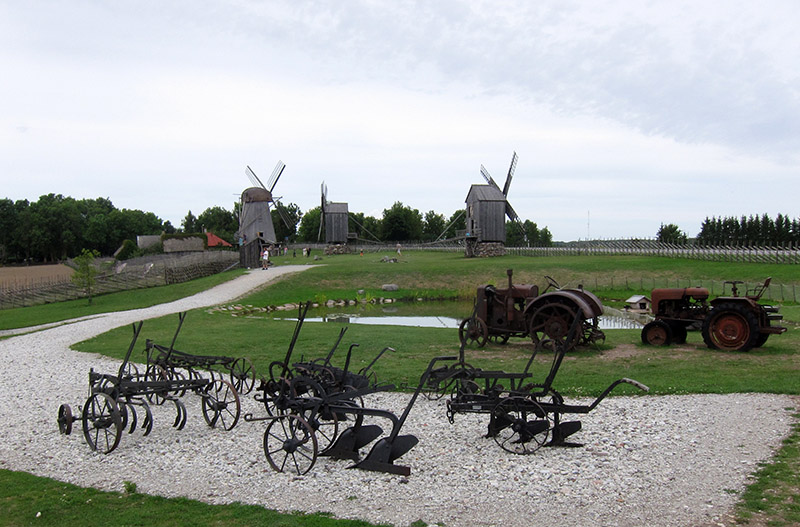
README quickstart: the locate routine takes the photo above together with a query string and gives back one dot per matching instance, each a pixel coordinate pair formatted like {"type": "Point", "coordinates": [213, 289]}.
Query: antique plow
{"type": "Point", "coordinates": [239, 370]}
{"type": "Point", "coordinates": [306, 404]}
{"type": "Point", "coordinates": [112, 402]}
{"type": "Point", "coordinates": [523, 416]}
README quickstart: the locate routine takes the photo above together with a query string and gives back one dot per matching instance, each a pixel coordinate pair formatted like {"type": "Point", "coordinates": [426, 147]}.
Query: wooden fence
{"type": "Point", "coordinates": [785, 254]}
{"type": "Point", "coordinates": [133, 274]}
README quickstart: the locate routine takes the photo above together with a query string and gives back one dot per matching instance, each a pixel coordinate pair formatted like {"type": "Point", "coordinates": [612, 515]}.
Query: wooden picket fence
{"type": "Point", "coordinates": [132, 274]}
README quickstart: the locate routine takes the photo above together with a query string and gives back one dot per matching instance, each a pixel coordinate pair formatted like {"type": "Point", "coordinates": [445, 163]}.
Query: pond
{"type": "Point", "coordinates": [432, 314]}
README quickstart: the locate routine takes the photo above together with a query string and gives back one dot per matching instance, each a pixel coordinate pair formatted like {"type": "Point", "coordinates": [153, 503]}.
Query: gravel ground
{"type": "Point", "coordinates": [657, 461]}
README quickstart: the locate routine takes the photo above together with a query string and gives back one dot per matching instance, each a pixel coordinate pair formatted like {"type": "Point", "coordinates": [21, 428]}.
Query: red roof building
{"type": "Point", "coordinates": [216, 241]}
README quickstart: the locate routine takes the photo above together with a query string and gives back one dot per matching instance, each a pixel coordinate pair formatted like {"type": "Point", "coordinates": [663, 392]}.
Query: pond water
{"type": "Point", "coordinates": [425, 315]}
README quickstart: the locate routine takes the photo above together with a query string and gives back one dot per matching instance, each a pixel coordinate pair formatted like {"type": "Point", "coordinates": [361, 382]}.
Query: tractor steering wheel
{"type": "Point", "coordinates": [550, 283]}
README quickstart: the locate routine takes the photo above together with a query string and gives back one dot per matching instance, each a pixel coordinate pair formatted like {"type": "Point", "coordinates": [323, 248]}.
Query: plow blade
{"type": "Point", "coordinates": [563, 431]}
{"type": "Point", "coordinates": [351, 440]}
{"type": "Point", "coordinates": [381, 457]}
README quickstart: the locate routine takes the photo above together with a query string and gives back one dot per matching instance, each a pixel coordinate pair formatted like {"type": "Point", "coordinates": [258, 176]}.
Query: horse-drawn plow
{"type": "Point", "coordinates": [523, 416]}
{"type": "Point", "coordinates": [112, 401]}
{"type": "Point", "coordinates": [307, 402]}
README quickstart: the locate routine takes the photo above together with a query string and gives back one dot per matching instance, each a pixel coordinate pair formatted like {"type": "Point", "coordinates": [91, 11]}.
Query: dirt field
{"type": "Point", "coordinates": [12, 277]}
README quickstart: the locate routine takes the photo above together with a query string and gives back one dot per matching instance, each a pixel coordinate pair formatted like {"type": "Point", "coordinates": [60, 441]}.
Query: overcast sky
{"type": "Point", "coordinates": [624, 114]}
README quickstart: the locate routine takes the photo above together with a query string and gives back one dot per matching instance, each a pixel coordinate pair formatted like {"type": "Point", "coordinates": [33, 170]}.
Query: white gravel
{"type": "Point", "coordinates": [657, 461]}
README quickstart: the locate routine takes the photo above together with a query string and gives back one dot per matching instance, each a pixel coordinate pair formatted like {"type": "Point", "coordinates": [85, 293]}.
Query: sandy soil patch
{"type": "Point", "coordinates": [33, 274]}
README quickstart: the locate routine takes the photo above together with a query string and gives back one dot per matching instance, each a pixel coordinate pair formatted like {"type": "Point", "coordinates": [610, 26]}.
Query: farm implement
{"type": "Point", "coordinates": [171, 363]}
{"type": "Point", "coordinates": [523, 416]}
{"type": "Point", "coordinates": [112, 402]}
{"type": "Point", "coordinates": [308, 401]}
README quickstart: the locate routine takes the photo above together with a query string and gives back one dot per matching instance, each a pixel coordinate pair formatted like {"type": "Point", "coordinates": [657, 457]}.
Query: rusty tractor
{"type": "Point", "coordinates": [521, 311]}
{"type": "Point", "coordinates": [729, 322]}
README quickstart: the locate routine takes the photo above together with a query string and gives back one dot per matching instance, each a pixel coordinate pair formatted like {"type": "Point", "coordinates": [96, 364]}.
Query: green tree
{"type": "Point", "coordinates": [221, 222]}
{"type": "Point", "coordinates": [433, 226]}
{"type": "Point", "coordinates": [309, 226]}
{"type": "Point", "coordinates": [671, 234]}
{"type": "Point", "coordinates": [189, 223]}
{"type": "Point", "coordinates": [293, 215]}
{"type": "Point", "coordinates": [401, 223]}
{"type": "Point", "coordinates": [9, 216]}
{"type": "Point", "coordinates": [85, 275]}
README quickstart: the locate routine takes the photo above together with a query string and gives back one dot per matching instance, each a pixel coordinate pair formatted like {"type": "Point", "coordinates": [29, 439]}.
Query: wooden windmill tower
{"type": "Point", "coordinates": [255, 219]}
{"type": "Point", "coordinates": [333, 219]}
{"type": "Point", "coordinates": [487, 209]}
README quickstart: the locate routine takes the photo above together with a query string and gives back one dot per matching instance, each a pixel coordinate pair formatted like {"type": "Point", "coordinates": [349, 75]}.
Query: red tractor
{"type": "Point", "coordinates": [731, 323]}
{"type": "Point", "coordinates": [520, 311]}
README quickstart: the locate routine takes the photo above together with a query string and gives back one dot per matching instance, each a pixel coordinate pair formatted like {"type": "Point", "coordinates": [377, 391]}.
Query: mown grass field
{"type": "Point", "coordinates": [689, 368]}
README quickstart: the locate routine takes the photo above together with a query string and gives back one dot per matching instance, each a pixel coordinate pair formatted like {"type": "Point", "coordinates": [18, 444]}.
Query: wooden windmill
{"type": "Point", "coordinates": [333, 219]}
{"type": "Point", "coordinates": [255, 219]}
{"type": "Point", "coordinates": [488, 207]}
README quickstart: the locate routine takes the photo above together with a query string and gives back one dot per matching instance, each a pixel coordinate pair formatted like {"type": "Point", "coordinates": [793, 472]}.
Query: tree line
{"type": "Point", "coordinates": [57, 227]}
{"type": "Point", "coordinates": [750, 230]}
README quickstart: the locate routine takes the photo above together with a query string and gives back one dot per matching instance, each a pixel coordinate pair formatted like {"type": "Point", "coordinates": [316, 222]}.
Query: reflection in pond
{"type": "Point", "coordinates": [427, 315]}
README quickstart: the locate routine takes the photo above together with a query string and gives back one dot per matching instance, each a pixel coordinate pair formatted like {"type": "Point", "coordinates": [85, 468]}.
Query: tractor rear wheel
{"type": "Point", "coordinates": [657, 333]}
{"type": "Point", "coordinates": [731, 327]}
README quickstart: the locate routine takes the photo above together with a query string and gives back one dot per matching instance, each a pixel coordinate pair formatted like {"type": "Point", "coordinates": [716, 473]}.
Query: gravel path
{"type": "Point", "coordinates": [657, 461]}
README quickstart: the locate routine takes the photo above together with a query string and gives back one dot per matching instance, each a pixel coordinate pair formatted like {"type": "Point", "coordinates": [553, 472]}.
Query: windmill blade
{"type": "Point", "coordinates": [283, 214]}
{"type": "Point", "coordinates": [276, 175]}
{"type": "Point", "coordinates": [515, 219]}
{"type": "Point", "coordinates": [253, 177]}
{"type": "Point", "coordinates": [511, 170]}
{"type": "Point", "coordinates": [488, 178]}
{"type": "Point", "coordinates": [511, 213]}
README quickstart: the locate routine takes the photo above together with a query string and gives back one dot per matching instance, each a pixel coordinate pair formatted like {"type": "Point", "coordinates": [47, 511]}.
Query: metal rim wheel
{"type": "Point", "coordinates": [155, 372]}
{"type": "Point", "coordinates": [290, 444]}
{"type": "Point", "coordinates": [65, 419]}
{"type": "Point", "coordinates": [551, 321]}
{"type": "Point", "coordinates": [499, 339]}
{"type": "Point", "coordinates": [221, 405]}
{"type": "Point", "coordinates": [473, 330]}
{"type": "Point", "coordinates": [730, 327]}
{"type": "Point", "coordinates": [279, 371]}
{"type": "Point", "coordinates": [449, 384]}
{"type": "Point", "coordinates": [130, 372]}
{"type": "Point", "coordinates": [102, 425]}
{"type": "Point", "coordinates": [521, 425]}
{"type": "Point", "coordinates": [309, 394]}
{"type": "Point", "coordinates": [243, 375]}
{"type": "Point", "coordinates": [657, 333]}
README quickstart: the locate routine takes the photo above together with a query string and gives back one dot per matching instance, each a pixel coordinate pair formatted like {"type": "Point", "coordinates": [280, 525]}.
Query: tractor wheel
{"type": "Point", "coordinates": [657, 333]}
{"type": "Point", "coordinates": [730, 327]}
{"type": "Point", "coordinates": [552, 320]}
{"type": "Point", "coordinates": [471, 330]}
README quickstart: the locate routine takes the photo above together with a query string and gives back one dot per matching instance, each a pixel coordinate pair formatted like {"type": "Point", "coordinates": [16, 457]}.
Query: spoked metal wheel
{"type": "Point", "coordinates": [290, 444]}
{"type": "Point", "coordinates": [102, 424]}
{"type": "Point", "coordinates": [65, 419]}
{"type": "Point", "coordinates": [551, 321]}
{"type": "Point", "coordinates": [221, 405]}
{"type": "Point", "coordinates": [473, 330]}
{"type": "Point", "coordinates": [449, 382]}
{"type": "Point", "coordinates": [243, 375]}
{"type": "Point", "coordinates": [520, 425]}
{"type": "Point", "coordinates": [499, 339]}
{"type": "Point", "coordinates": [156, 373]}
{"type": "Point", "coordinates": [307, 395]}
